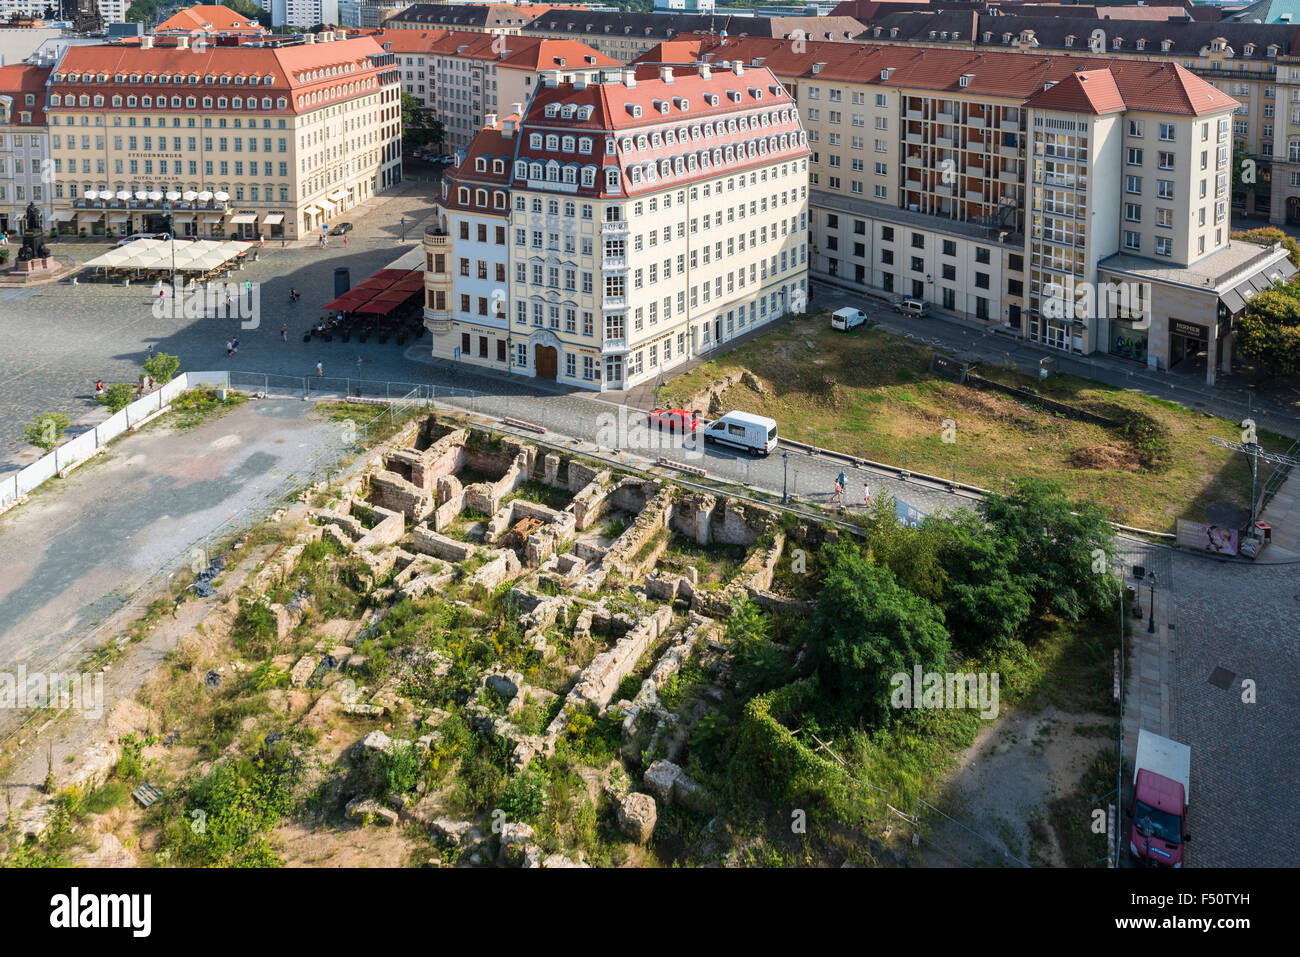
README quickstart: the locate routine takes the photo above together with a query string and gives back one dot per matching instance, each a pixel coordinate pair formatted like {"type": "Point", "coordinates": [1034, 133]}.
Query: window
{"type": "Point", "coordinates": [1132, 240]}
{"type": "Point", "coordinates": [1133, 184]}
{"type": "Point", "coordinates": [1164, 246]}
{"type": "Point", "coordinates": [1165, 160]}
{"type": "Point", "coordinates": [1134, 156]}
{"type": "Point", "coordinates": [1167, 132]}
{"type": "Point", "coordinates": [981, 255]}
{"type": "Point", "coordinates": [1165, 188]}
{"type": "Point", "coordinates": [1164, 217]}
{"type": "Point", "coordinates": [1133, 212]}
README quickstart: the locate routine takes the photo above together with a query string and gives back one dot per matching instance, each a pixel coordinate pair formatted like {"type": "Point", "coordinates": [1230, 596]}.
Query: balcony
{"type": "Point", "coordinates": [914, 159]}
{"type": "Point", "coordinates": [614, 263]}
{"type": "Point", "coordinates": [915, 138]}
{"type": "Point", "coordinates": [616, 227]}
{"type": "Point", "coordinates": [944, 142]}
{"type": "Point", "coordinates": [1010, 126]}
{"type": "Point", "coordinates": [976, 122]}
{"type": "Point", "coordinates": [913, 114]}
{"type": "Point", "coordinates": [944, 116]}
{"type": "Point", "coordinates": [615, 302]}
{"type": "Point", "coordinates": [975, 195]}
{"type": "Point", "coordinates": [944, 189]}
{"type": "Point", "coordinates": [912, 184]}
{"type": "Point", "coordinates": [1009, 151]}
{"type": "Point", "coordinates": [1008, 176]}
{"type": "Point", "coordinates": [613, 346]}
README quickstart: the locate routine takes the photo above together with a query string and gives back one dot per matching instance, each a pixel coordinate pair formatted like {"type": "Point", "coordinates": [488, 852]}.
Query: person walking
{"type": "Point", "coordinates": [284, 332]}
{"type": "Point", "coordinates": [99, 387]}
{"type": "Point", "coordinates": [261, 240]}
{"type": "Point", "coordinates": [229, 349]}
{"type": "Point", "coordinates": [151, 383]}
{"type": "Point", "coordinates": [345, 240]}
{"type": "Point", "coordinates": [866, 495]}
{"type": "Point", "coordinates": [837, 497]}
{"type": "Point", "coordinates": [320, 369]}
{"type": "Point", "coordinates": [234, 345]}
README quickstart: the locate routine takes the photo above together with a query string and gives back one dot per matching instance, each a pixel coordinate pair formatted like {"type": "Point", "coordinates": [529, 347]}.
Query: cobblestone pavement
{"type": "Point", "coordinates": [1245, 756]}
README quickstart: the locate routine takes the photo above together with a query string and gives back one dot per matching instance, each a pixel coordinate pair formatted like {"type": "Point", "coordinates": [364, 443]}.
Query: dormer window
{"type": "Point", "coordinates": [1116, 43]}
{"type": "Point", "coordinates": [480, 164]}
{"type": "Point", "coordinates": [1165, 45]}
{"type": "Point", "coordinates": [1142, 44]}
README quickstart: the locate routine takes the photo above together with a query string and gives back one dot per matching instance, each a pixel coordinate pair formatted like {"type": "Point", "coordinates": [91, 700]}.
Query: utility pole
{"type": "Point", "coordinates": [1256, 453]}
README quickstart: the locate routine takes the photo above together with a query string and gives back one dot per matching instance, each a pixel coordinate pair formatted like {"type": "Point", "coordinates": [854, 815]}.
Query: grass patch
{"type": "Point", "coordinates": [194, 408]}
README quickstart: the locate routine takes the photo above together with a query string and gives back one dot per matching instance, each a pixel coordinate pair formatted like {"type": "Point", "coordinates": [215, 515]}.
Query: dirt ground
{"type": "Point", "coordinates": [1006, 780]}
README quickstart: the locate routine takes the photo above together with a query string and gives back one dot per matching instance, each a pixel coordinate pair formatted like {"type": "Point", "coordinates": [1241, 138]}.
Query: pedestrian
{"type": "Point", "coordinates": [99, 387]}
{"type": "Point", "coordinates": [838, 495]}
{"type": "Point", "coordinates": [841, 480]}
{"type": "Point", "coordinates": [261, 240]}
{"type": "Point", "coordinates": [320, 368]}
{"type": "Point", "coordinates": [866, 495]}
{"type": "Point", "coordinates": [234, 345]}
{"type": "Point", "coordinates": [229, 348]}
{"type": "Point", "coordinates": [345, 241]}
{"type": "Point", "coordinates": [284, 332]}
{"type": "Point", "coordinates": [284, 240]}
{"type": "Point", "coordinates": [4, 239]}
{"type": "Point", "coordinates": [151, 383]}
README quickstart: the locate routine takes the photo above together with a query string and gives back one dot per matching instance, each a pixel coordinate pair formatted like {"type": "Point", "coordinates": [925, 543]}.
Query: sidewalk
{"type": "Point", "coordinates": [1232, 398]}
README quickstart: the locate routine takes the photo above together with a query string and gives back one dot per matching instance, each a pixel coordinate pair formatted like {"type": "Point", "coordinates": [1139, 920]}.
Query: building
{"type": "Point", "coordinates": [301, 13]}
{"type": "Point", "coordinates": [24, 145]}
{"type": "Point", "coordinates": [209, 20]}
{"type": "Point", "coordinates": [625, 36]}
{"type": "Point", "coordinates": [292, 134]}
{"type": "Point", "coordinates": [998, 185]}
{"type": "Point", "coordinates": [653, 215]}
{"type": "Point", "coordinates": [462, 77]}
{"type": "Point", "coordinates": [479, 17]}
{"type": "Point", "coordinates": [366, 14]}
{"type": "Point", "coordinates": [684, 6]}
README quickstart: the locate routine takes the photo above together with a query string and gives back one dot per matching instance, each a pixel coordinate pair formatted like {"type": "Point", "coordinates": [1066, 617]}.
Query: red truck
{"type": "Point", "coordinates": [1161, 793]}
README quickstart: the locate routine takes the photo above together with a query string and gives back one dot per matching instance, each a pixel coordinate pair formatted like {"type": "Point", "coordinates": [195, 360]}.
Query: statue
{"type": "Point", "coordinates": [33, 237]}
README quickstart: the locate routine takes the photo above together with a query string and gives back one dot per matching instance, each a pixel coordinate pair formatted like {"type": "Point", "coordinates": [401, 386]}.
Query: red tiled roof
{"type": "Point", "coordinates": [19, 80]}
{"type": "Point", "coordinates": [613, 113]}
{"type": "Point", "coordinates": [1088, 91]}
{"type": "Point", "coordinates": [516, 52]}
{"type": "Point", "coordinates": [490, 144]}
{"type": "Point", "coordinates": [1142, 84]}
{"type": "Point", "coordinates": [209, 18]}
{"type": "Point", "coordinates": [289, 68]}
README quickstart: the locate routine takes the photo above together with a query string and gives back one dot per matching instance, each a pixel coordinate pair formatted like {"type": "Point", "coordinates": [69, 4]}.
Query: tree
{"type": "Point", "coordinates": [985, 603]}
{"type": "Point", "coordinates": [865, 628]}
{"type": "Point", "coordinates": [162, 366]}
{"type": "Point", "coordinates": [46, 431]}
{"type": "Point", "coordinates": [116, 396]}
{"type": "Point", "coordinates": [1269, 332]}
{"type": "Point", "coordinates": [419, 126]}
{"type": "Point", "coordinates": [1063, 549]}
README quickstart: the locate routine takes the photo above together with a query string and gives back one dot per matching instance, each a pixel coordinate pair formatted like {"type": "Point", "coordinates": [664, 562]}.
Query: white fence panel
{"type": "Point", "coordinates": [75, 449]}
{"type": "Point", "coordinates": [36, 473]}
{"type": "Point", "coordinates": [112, 427]}
{"type": "Point", "coordinates": [171, 390]}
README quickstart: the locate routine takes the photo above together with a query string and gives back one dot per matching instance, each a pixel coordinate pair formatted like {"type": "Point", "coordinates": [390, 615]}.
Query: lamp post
{"type": "Point", "coordinates": [785, 478]}
{"type": "Point", "coordinates": [1151, 623]}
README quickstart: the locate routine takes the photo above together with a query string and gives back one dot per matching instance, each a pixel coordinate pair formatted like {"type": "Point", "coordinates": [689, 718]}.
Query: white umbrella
{"type": "Point", "coordinates": [172, 195]}
{"type": "Point", "coordinates": [123, 194]}
{"type": "Point", "coordinates": [205, 196]}
{"type": "Point", "coordinates": [141, 195]}
{"type": "Point", "coordinates": [189, 196]}
{"type": "Point", "coordinates": [221, 197]}
{"type": "Point", "coordinates": [154, 196]}
{"type": "Point", "coordinates": [90, 194]}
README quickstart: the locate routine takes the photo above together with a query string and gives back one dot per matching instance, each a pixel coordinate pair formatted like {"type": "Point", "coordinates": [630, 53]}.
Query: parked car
{"type": "Point", "coordinates": [908, 306]}
{"type": "Point", "coordinates": [134, 236]}
{"type": "Point", "coordinates": [448, 159]}
{"type": "Point", "coordinates": [338, 229]}
{"type": "Point", "coordinates": [675, 420]}
{"type": "Point", "coordinates": [847, 319]}
{"type": "Point", "coordinates": [756, 434]}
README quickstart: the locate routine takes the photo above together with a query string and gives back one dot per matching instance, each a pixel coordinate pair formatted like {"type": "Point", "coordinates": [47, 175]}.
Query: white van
{"type": "Point", "coordinates": [756, 434]}
{"type": "Point", "coordinates": [847, 319]}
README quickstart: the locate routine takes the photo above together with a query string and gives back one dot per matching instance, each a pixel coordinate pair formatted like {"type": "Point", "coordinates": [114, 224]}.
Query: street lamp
{"type": "Point", "coordinates": [785, 478]}
{"type": "Point", "coordinates": [1151, 623]}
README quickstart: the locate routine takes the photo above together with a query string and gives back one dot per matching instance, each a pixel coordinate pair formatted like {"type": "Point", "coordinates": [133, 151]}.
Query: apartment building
{"type": "Point", "coordinates": [626, 35]}
{"type": "Point", "coordinates": [462, 77]}
{"type": "Point", "coordinates": [24, 145]}
{"type": "Point", "coordinates": [653, 215]}
{"type": "Point", "coordinates": [301, 13]}
{"type": "Point", "coordinates": [1243, 59]}
{"type": "Point", "coordinates": [271, 140]}
{"type": "Point", "coordinates": [504, 18]}
{"type": "Point", "coordinates": [998, 185]}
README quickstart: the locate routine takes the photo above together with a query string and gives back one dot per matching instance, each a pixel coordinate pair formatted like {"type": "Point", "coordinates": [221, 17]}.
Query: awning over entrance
{"type": "Point", "coordinates": [325, 205]}
{"type": "Point", "coordinates": [118, 217]}
{"type": "Point", "coordinates": [272, 219]}
{"type": "Point", "coordinates": [1236, 298]}
{"type": "Point", "coordinates": [244, 219]}
{"type": "Point", "coordinates": [64, 215]}
{"type": "Point", "coordinates": [339, 195]}
{"type": "Point", "coordinates": [311, 209]}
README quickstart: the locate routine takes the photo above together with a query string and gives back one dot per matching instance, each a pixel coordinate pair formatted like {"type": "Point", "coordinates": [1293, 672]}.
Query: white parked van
{"type": "Point", "coordinates": [756, 434]}
{"type": "Point", "coordinates": [846, 319]}
{"type": "Point", "coordinates": [913, 307]}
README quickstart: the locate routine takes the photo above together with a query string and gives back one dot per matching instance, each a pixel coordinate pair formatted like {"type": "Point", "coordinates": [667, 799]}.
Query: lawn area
{"type": "Point", "coordinates": [869, 392]}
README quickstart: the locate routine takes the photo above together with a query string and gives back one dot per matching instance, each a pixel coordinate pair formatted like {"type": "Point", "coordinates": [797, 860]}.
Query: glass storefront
{"type": "Point", "coordinates": [1127, 340]}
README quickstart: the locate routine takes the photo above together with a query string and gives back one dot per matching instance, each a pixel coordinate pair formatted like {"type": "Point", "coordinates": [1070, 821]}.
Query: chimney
{"type": "Point", "coordinates": [705, 72]}
{"type": "Point", "coordinates": [182, 43]}
{"type": "Point", "coordinates": [340, 34]}
{"type": "Point", "coordinates": [629, 79]}
{"type": "Point", "coordinates": [551, 78]}
{"type": "Point", "coordinates": [309, 37]}
{"type": "Point", "coordinates": [738, 68]}
{"type": "Point", "coordinates": [508, 129]}
{"type": "Point", "coordinates": [146, 43]}
{"type": "Point", "coordinates": [666, 74]}
{"type": "Point", "coordinates": [490, 120]}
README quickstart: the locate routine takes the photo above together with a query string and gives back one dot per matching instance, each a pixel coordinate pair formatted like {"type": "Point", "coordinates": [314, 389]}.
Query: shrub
{"type": "Point", "coordinates": [524, 796]}
{"type": "Point", "coordinates": [162, 366]}
{"type": "Point", "coordinates": [116, 397]}
{"type": "Point", "coordinates": [46, 431]}
{"type": "Point", "coordinates": [106, 797]}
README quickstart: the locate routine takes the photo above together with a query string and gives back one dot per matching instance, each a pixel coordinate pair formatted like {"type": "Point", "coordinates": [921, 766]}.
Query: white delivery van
{"type": "Point", "coordinates": [756, 434]}
{"type": "Point", "coordinates": [847, 319]}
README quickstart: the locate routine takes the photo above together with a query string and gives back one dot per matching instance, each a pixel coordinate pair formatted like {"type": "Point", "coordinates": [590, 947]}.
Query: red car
{"type": "Point", "coordinates": [675, 420]}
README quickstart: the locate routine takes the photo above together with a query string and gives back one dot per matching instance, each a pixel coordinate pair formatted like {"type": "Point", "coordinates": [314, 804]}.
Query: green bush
{"type": "Point", "coordinates": [106, 797]}
{"type": "Point", "coordinates": [524, 796]}
{"type": "Point", "coordinates": [116, 397]}
{"type": "Point", "coordinates": [46, 431]}
{"type": "Point", "coordinates": [162, 366]}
